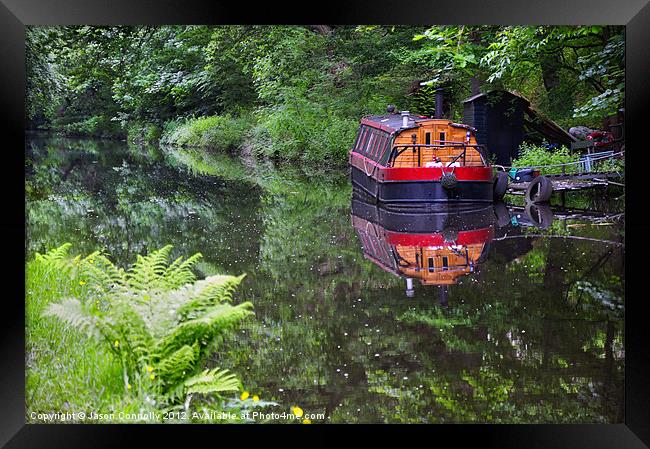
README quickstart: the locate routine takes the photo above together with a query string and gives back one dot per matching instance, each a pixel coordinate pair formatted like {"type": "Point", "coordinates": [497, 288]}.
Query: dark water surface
{"type": "Point", "coordinates": [520, 320]}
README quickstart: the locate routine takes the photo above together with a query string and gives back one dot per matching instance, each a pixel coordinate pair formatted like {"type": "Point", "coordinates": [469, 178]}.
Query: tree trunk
{"type": "Point", "coordinates": [325, 30]}
{"type": "Point", "coordinates": [476, 85]}
{"type": "Point", "coordinates": [476, 81]}
{"type": "Point", "coordinates": [550, 72]}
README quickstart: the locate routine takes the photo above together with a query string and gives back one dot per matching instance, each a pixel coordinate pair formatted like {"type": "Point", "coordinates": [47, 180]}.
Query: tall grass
{"type": "Point", "coordinates": [300, 131]}
{"type": "Point", "coordinates": [306, 132]}
{"type": "Point", "coordinates": [92, 126]}
{"type": "Point", "coordinates": [561, 160]}
{"type": "Point", "coordinates": [224, 133]}
{"type": "Point", "coordinates": [107, 341]}
{"type": "Point", "coordinates": [65, 370]}
{"type": "Point", "coordinates": [537, 155]}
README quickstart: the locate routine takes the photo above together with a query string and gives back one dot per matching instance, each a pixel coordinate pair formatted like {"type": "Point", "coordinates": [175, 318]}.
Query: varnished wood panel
{"type": "Point", "coordinates": [411, 158]}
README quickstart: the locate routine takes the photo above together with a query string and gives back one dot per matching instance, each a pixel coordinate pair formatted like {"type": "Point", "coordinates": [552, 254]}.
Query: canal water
{"type": "Point", "coordinates": [511, 314]}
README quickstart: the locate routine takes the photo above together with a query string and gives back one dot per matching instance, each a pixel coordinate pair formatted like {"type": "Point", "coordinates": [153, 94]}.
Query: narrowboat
{"type": "Point", "coordinates": [436, 248]}
{"type": "Point", "coordinates": [406, 158]}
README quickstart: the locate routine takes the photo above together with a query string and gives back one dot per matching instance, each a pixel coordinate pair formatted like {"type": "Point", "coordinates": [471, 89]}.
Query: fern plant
{"type": "Point", "coordinates": [156, 318]}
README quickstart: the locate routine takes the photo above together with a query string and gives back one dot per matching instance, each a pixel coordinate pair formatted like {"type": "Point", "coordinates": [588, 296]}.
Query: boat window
{"type": "Point", "coordinates": [427, 138]}
{"type": "Point", "coordinates": [380, 144]}
{"type": "Point", "coordinates": [358, 138]}
{"type": "Point", "coordinates": [442, 139]}
{"type": "Point", "coordinates": [385, 143]}
{"type": "Point", "coordinates": [371, 141]}
{"type": "Point", "coordinates": [385, 154]}
{"type": "Point", "coordinates": [445, 262]}
{"type": "Point", "coordinates": [366, 136]}
{"type": "Point", "coordinates": [375, 143]}
{"type": "Point", "coordinates": [357, 142]}
{"type": "Point", "coordinates": [431, 268]}
{"type": "Point", "coordinates": [362, 141]}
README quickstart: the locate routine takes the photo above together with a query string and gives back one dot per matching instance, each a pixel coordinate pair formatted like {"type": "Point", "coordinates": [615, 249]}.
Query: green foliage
{"type": "Point", "coordinates": [64, 369]}
{"type": "Point", "coordinates": [565, 71]}
{"type": "Point", "coordinates": [307, 85]}
{"type": "Point", "coordinates": [531, 155]}
{"type": "Point", "coordinates": [606, 65]}
{"type": "Point", "coordinates": [143, 133]}
{"type": "Point", "coordinates": [303, 131]}
{"type": "Point", "coordinates": [223, 133]}
{"type": "Point", "coordinates": [95, 126]}
{"type": "Point", "coordinates": [44, 82]}
{"type": "Point", "coordinates": [583, 64]}
{"type": "Point", "coordinates": [212, 381]}
{"type": "Point", "coordinates": [610, 165]}
{"type": "Point", "coordinates": [297, 92]}
{"type": "Point", "coordinates": [321, 306]}
{"type": "Point", "coordinates": [449, 51]}
{"type": "Point", "coordinates": [156, 319]}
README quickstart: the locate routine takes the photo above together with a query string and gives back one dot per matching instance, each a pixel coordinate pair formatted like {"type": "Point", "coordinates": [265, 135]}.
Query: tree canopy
{"type": "Point", "coordinates": [297, 84]}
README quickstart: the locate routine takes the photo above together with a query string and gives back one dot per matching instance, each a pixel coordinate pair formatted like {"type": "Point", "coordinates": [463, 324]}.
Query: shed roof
{"type": "Point", "coordinates": [392, 122]}
{"type": "Point", "coordinates": [493, 92]}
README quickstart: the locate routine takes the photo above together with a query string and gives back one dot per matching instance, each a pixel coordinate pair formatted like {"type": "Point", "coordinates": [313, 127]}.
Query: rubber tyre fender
{"type": "Point", "coordinates": [448, 181]}
{"type": "Point", "coordinates": [450, 234]}
{"type": "Point", "coordinates": [502, 214]}
{"type": "Point", "coordinates": [484, 253]}
{"type": "Point", "coordinates": [500, 185]}
{"type": "Point", "coordinates": [540, 215]}
{"type": "Point", "coordinates": [539, 190]}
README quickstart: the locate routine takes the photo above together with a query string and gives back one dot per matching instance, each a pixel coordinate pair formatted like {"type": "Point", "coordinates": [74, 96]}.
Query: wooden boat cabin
{"type": "Point", "coordinates": [407, 158]}
{"type": "Point", "coordinates": [437, 257]}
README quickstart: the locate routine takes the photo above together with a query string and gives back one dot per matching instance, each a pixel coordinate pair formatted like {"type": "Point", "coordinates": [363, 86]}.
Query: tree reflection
{"type": "Point", "coordinates": [533, 332]}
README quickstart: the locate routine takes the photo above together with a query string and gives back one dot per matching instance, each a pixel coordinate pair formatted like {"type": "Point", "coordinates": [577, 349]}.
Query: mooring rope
{"type": "Point", "coordinates": [573, 237]}
{"type": "Point", "coordinates": [369, 225]}
{"type": "Point", "coordinates": [365, 168]}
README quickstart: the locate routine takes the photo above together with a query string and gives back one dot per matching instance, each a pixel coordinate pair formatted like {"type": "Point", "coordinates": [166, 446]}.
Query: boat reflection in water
{"type": "Point", "coordinates": [432, 244]}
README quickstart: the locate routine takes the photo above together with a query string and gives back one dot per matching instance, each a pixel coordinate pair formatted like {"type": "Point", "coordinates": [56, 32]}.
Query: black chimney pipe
{"type": "Point", "coordinates": [444, 296]}
{"type": "Point", "coordinates": [438, 103]}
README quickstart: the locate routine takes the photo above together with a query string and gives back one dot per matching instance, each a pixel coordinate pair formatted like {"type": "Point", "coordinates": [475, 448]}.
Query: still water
{"type": "Point", "coordinates": [498, 314]}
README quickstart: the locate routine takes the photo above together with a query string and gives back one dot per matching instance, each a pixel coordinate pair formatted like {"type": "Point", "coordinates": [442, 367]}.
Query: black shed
{"type": "Point", "coordinates": [503, 120]}
{"type": "Point", "coordinates": [498, 117]}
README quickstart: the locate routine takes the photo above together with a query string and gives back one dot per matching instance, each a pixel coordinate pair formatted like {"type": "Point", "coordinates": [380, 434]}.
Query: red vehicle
{"type": "Point", "coordinates": [403, 158]}
{"type": "Point", "coordinates": [601, 139]}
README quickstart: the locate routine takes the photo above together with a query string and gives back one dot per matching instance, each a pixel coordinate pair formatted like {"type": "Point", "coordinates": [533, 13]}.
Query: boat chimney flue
{"type": "Point", "coordinates": [444, 296]}
{"type": "Point", "coordinates": [439, 100]}
{"type": "Point", "coordinates": [405, 119]}
{"type": "Point", "coordinates": [410, 291]}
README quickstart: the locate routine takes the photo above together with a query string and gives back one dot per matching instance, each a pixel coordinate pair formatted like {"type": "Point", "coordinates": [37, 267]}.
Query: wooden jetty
{"type": "Point", "coordinates": [571, 182]}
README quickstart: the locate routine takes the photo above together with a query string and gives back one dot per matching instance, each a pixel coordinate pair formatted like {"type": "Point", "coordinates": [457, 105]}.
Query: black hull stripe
{"type": "Point", "coordinates": [422, 191]}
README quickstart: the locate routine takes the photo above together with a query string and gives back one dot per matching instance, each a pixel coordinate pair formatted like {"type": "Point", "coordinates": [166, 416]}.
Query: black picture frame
{"type": "Point", "coordinates": [15, 14]}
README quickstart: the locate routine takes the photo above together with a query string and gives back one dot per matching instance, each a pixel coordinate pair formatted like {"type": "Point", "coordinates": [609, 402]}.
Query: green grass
{"type": "Point", "coordinates": [143, 133]}
{"type": "Point", "coordinates": [303, 132]}
{"type": "Point", "coordinates": [299, 132]}
{"type": "Point", "coordinates": [65, 370]}
{"type": "Point", "coordinates": [68, 372]}
{"type": "Point", "coordinates": [535, 156]}
{"type": "Point", "coordinates": [224, 133]}
{"type": "Point", "coordinates": [92, 126]}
